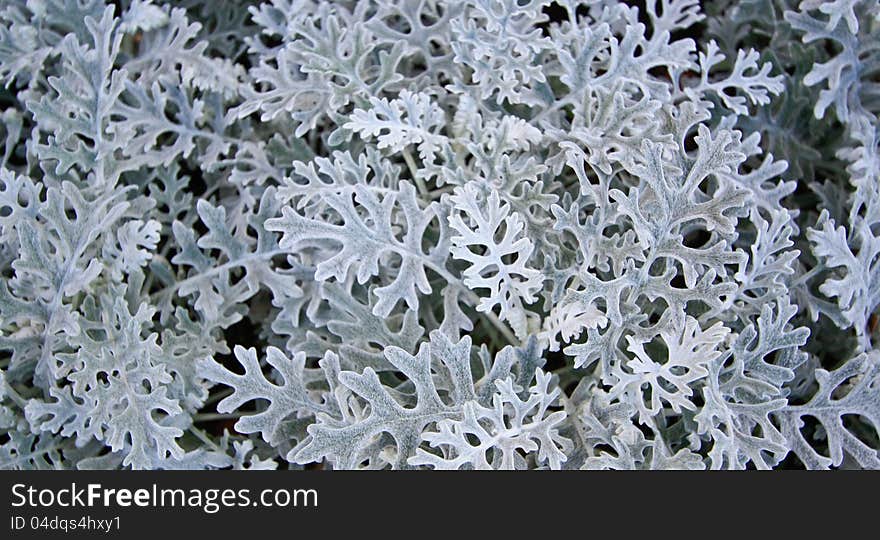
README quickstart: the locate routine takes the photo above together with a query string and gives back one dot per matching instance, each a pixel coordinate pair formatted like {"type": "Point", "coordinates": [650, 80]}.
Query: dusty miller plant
{"type": "Point", "coordinates": [481, 234]}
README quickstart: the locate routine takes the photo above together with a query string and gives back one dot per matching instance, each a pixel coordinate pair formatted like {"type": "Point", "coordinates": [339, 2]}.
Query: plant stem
{"type": "Point", "coordinates": [413, 171]}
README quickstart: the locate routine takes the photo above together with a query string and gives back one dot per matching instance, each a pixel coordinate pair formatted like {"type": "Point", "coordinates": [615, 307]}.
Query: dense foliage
{"type": "Point", "coordinates": [488, 234]}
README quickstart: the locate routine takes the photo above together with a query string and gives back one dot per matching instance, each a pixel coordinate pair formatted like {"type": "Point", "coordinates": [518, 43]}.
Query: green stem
{"type": "Point", "coordinates": [211, 417]}
{"type": "Point", "coordinates": [413, 171]}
